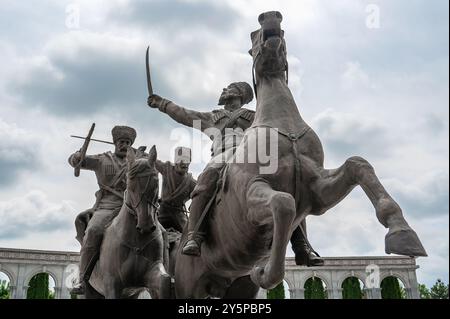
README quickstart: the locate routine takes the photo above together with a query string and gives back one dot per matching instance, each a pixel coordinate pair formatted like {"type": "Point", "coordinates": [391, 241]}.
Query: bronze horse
{"type": "Point", "coordinates": [250, 228]}
{"type": "Point", "coordinates": [131, 255]}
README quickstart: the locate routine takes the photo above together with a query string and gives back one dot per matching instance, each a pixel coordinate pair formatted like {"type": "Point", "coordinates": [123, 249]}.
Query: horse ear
{"type": "Point", "coordinates": [131, 156]}
{"type": "Point", "coordinates": [152, 155]}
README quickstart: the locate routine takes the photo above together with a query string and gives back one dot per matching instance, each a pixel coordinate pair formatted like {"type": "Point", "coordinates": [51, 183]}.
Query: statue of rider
{"type": "Point", "coordinates": [110, 170]}
{"type": "Point", "coordinates": [177, 186]}
{"type": "Point", "coordinates": [231, 122]}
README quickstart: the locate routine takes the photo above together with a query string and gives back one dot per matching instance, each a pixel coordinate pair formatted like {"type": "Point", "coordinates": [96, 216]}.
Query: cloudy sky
{"type": "Point", "coordinates": [371, 77]}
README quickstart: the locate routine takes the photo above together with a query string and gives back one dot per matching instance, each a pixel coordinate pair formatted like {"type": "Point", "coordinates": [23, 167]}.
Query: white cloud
{"type": "Point", "coordinates": [354, 77]}
{"type": "Point", "coordinates": [33, 213]}
{"type": "Point", "coordinates": [19, 151]}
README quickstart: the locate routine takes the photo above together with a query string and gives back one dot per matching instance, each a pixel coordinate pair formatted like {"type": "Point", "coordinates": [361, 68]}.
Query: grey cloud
{"type": "Point", "coordinates": [428, 196]}
{"type": "Point", "coordinates": [95, 81]}
{"type": "Point", "coordinates": [89, 79]}
{"type": "Point", "coordinates": [176, 15]}
{"type": "Point", "coordinates": [19, 152]}
{"type": "Point", "coordinates": [435, 123]}
{"type": "Point", "coordinates": [33, 213]}
{"type": "Point", "coordinates": [86, 75]}
{"type": "Point", "coordinates": [345, 135]}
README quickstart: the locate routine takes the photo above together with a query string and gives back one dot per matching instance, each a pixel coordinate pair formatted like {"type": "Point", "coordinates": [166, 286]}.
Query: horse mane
{"type": "Point", "coordinates": [138, 166]}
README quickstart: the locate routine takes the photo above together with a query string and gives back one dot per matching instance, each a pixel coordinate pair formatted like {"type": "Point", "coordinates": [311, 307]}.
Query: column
{"type": "Point", "coordinates": [12, 291]}
{"type": "Point", "coordinates": [373, 293]}
{"type": "Point", "coordinates": [413, 291]}
{"type": "Point", "coordinates": [262, 294]}
{"type": "Point", "coordinates": [58, 293]}
{"type": "Point", "coordinates": [334, 293]}
{"type": "Point", "coordinates": [297, 293]}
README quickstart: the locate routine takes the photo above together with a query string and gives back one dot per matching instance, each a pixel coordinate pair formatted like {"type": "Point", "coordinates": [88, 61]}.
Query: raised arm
{"type": "Point", "coordinates": [160, 167]}
{"type": "Point", "coordinates": [90, 162]}
{"type": "Point", "coordinates": [180, 114]}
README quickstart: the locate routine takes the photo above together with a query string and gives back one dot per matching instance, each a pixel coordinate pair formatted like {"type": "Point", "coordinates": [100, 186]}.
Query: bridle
{"type": "Point", "coordinates": [144, 196]}
{"type": "Point", "coordinates": [256, 56]}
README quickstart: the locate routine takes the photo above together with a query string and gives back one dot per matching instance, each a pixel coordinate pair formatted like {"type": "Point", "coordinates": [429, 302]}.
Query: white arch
{"type": "Point", "coordinates": [327, 284]}
{"type": "Point", "coordinates": [288, 280]}
{"type": "Point", "coordinates": [40, 270]}
{"type": "Point", "coordinates": [397, 275]}
{"type": "Point", "coordinates": [9, 275]}
{"type": "Point", "coordinates": [348, 274]}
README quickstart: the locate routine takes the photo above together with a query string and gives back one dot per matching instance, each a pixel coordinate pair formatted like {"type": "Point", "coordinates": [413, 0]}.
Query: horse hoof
{"type": "Point", "coordinates": [404, 242]}
{"type": "Point", "coordinates": [144, 295]}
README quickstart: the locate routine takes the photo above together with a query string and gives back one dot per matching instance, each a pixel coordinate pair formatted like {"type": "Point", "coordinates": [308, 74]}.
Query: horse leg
{"type": "Point", "coordinates": [91, 293]}
{"type": "Point", "coordinates": [267, 206]}
{"type": "Point", "coordinates": [111, 287]}
{"type": "Point", "coordinates": [334, 185]}
{"type": "Point", "coordinates": [242, 288]}
{"type": "Point", "coordinates": [158, 281]}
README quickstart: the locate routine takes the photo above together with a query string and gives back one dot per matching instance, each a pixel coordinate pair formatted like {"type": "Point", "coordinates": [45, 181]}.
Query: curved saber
{"type": "Point", "coordinates": [149, 80]}
{"type": "Point", "coordinates": [83, 150]}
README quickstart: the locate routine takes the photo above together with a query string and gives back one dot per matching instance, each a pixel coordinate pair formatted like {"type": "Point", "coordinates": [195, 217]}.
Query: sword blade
{"type": "Point", "coordinates": [149, 80]}
{"type": "Point", "coordinates": [92, 139]}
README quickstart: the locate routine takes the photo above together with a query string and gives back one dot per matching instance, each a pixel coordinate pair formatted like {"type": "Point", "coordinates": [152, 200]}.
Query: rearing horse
{"type": "Point", "coordinates": [258, 210]}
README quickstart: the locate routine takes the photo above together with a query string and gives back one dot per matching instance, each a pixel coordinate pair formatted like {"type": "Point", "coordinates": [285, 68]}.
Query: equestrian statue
{"type": "Point", "coordinates": [254, 211]}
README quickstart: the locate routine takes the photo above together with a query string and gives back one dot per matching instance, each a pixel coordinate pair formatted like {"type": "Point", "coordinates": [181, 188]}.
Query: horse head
{"type": "Point", "coordinates": [142, 190]}
{"type": "Point", "coordinates": [269, 47]}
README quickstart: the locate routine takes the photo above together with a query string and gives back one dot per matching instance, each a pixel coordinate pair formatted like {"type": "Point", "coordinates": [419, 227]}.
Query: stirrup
{"type": "Point", "coordinates": [191, 248]}
{"type": "Point", "coordinates": [307, 257]}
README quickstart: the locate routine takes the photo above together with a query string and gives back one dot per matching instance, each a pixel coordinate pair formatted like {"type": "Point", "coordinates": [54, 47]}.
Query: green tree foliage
{"type": "Point", "coordinates": [4, 289]}
{"type": "Point", "coordinates": [439, 290]}
{"type": "Point", "coordinates": [277, 292]}
{"type": "Point", "coordinates": [314, 289]}
{"type": "Point", "coordinates": [390, 288]}
{"type": "Point", "coordinates": [351, 289]}
{"type": "Point", "coordinates": [38, 287]}
{"type": "Point", "coordinates": [424, 292]}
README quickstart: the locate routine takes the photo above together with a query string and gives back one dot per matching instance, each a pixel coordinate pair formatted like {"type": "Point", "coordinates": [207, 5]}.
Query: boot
{"type": "Point", "coordinates": [88, 259]}
{"type": "Point", "coordinates": [201, 197]}
{"type": "Point", "coordinates": [304, 254]}
{"type": "Point", "coordinates": [193, 244]}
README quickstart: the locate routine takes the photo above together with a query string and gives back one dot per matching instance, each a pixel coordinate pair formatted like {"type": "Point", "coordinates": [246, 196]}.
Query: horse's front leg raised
{"type": "Point", "coordinates": [268, 206]}
{"type": "Point", "coordinates": [158, 281]}
{"type": "Point", "coordinates": [335, 184]}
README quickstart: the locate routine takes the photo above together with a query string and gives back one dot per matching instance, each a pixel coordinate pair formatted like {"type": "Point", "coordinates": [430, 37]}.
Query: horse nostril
{"type": "Point", "coordinates": [153, 228]}
{"type": "Point", "coordinates": [279, 16]}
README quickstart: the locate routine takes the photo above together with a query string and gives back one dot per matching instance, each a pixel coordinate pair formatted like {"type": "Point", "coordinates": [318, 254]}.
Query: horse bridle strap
{"type": "Point", "coordinates": [131, 207]}
{"type": "Point", "coordinates": [139, 250]}
{"type": "Point", "coordinates": [254, 76]}
{"type": "Point", "coordinates": [293, 137]}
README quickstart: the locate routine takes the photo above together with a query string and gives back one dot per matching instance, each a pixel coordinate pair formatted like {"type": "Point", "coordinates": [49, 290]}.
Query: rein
{"type": "Point", "coordinates": [253, 69]}
{"type": "Point", "coordinates": [132, 210]}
